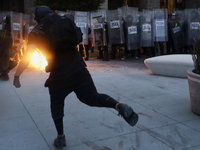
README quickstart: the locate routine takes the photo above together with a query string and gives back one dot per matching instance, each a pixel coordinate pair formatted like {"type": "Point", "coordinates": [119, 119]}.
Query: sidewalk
{"type": "Point", "coordinates": [163, 104]}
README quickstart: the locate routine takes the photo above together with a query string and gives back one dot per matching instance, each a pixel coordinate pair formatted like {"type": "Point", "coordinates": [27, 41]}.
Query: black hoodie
{"type": "Point", "coordinates": [66, 63]}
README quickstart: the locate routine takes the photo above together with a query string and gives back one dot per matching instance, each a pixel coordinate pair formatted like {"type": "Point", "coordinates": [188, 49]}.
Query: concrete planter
{"type": "Point", "coordinates": [194, 88]}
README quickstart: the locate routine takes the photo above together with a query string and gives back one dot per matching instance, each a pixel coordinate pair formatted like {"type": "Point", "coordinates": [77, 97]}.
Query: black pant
{"type": "Point", "coordinates": [82, 85]}
{"type": "Point", "coordinates": [161, 45]}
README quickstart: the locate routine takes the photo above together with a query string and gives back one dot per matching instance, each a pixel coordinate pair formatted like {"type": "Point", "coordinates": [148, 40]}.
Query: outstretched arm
{"type": "Point", "coordinates": [24, 63]}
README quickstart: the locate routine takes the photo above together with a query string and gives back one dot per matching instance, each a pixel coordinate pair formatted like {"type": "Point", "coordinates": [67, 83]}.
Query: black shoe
{"type": "Point", "coordinates": [4, 77]}
{"type": "Point", "coordinates": [128, 114]}
{"type": "Point", "coordinates": [60, 142]}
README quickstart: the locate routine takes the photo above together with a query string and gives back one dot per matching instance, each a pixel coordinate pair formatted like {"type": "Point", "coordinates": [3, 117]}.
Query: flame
{"type": "Point", "coordinates": [38, 60]}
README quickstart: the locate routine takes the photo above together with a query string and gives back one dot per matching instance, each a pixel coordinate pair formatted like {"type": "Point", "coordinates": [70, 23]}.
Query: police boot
{"type": "Point", "coordinates": [113, 52]}
{"type": "Point", "coordinates": [136, 54]}
{"type": "Point", "coordinates": [100, 55]}
{"type": "Point", "coordinates": [105, 53]}
{"type": "Point", "coordinates": [122, 53]}
{"type": "Point", "coordinates": [153, 52]}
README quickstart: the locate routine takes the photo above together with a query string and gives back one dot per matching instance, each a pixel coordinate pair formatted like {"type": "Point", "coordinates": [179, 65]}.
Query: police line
{"type": "Point", "coordinates": [125, 25]}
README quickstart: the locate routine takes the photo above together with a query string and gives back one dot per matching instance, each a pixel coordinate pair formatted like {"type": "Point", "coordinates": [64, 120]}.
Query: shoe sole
{"type": "Point", "coordinates": [59, 144]}
{"type": "Point", "coordinates": [132, 117]}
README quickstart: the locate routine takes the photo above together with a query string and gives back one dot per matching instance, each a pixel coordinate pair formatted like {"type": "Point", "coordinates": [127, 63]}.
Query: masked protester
{"type": "Point", "coordinates": [68, 73]}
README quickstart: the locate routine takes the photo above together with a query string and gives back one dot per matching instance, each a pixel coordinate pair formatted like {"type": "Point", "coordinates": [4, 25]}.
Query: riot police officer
{"type": "Point", "coordinates": [192, 28]}
{"type": "Point", "coordinates": [132, 31]}
{"type": "Point", "coordinates": [147, 32]}
{"type": "Point", "coordinates": [100, 34]}
{"type": "Point", "coordinates": [176, 41]}
{"type": "Point", "coordinates": [116, 33]}
{"type": "Point", "coordinates": [161, 30]}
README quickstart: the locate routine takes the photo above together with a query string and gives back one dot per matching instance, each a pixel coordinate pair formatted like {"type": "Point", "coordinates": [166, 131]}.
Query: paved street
{"type": "Point", "coordinates": [163, 104]}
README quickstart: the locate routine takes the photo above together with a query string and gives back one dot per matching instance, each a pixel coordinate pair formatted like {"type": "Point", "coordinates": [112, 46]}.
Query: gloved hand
{"type": "Point", "coordinates": [16, 82]}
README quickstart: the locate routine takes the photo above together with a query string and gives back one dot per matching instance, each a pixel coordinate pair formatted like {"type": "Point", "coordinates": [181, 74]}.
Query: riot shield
{"type": "Point", "coordinates": [1, 20]}
{"type": "Point", "coordinates": [28, 24]}
{"type": "Point", "coordinates": [25, 29]}
{"type": "Point", "coordinates": [99, 28]}
{"type": "Point", "coordinates": [132, 28]}
{"type": "Point", "coordinates": [160, 25]}
{"type": "Point", "coordinates": [5, 22]}
{"type": "Point", "coordinates": [17, 31]}
{"type": "Point", "coordinates": [81, 20]}
{"type": "Point", "coordinates": [176, 33]}
{"type": "Point", "coordinates": [115, 27]}
{"type": "Point", "coordinates": [17, 26]}
{"type": "Point", "coordinates": [192, 26]}
{"type": "Point", "coordinates": [147, 32]}
{"type": "Point", "coordinates": [3, 15]}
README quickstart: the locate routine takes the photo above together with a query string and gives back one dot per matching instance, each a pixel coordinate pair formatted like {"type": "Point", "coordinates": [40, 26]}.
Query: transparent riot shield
{"type": "Point", "coordinates": [99, 28]}
{"type": "Point", "coordinates": [147, 32]}
{"type": "Point", "coordinates": [123, 12]}
{"type": "Point", "coordinates": [17, 26]}
{"type": "Point", "coordinates": [176, 33]}
{"type": "Point", "coordinates": [192, 25]}
{"type": "Point", "coordinates": [132, 28]}
{"type": "Point", "coordinates": [3, 15]}
{"type": "Point", "coordinates": [81, 20]}
{"type": "Point", "coordinates": [25, 30]}
{"type": "Point", "coordinates": [17, 31]}
{"type": "Point", "coordinates": [1, 20]}
{"type": "Point", "coordinates": [115, 27]}
{"type": "Point", "coordinates": [160, 25]}
{"type": "Point", "coordinates": [28, 24]}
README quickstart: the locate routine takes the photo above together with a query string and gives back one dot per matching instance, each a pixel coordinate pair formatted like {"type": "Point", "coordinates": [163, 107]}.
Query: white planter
{"type": "Point", "coordinates": [194, 88]}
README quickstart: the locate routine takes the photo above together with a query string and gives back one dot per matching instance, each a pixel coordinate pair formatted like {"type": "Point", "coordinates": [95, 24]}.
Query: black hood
{"type": "Point", "coordinates": [70, 16]}
{"type": "Point", "coordinates": [41, 12]}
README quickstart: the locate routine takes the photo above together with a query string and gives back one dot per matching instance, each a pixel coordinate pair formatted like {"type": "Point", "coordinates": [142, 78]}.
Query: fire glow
{"type": "Point", "coordinates": [38, 60]}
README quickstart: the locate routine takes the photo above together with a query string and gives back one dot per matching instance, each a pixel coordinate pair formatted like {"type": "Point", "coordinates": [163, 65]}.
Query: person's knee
{"type": "Point", "coordinates": [90, 100]}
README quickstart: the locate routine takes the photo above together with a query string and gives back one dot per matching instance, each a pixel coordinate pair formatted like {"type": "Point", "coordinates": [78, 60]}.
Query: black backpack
{"type": "Point", "coordinates": [62, 32]}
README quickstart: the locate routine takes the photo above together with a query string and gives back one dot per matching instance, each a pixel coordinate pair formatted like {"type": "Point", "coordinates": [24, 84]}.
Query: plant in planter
{"type": "Point", "coordinates": [194, 79]}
